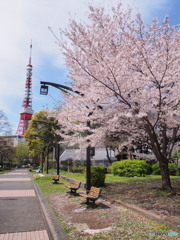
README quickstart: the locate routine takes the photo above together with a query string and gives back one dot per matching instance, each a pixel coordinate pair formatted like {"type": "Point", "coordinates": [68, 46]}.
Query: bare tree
{"type": "Point", "coordinates": [5, 128]}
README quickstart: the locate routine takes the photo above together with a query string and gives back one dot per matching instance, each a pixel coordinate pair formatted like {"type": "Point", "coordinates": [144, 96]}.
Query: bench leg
{"type": "Point", "coordinates": [55, 182]}
{"type": "Point", "coordinates": [93, 201]}
{"type": "Point", "coordinates": [73, 191]}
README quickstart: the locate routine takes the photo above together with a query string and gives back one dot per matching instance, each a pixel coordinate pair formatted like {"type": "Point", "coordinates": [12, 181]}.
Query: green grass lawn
{"type": "Point", "coordinates": [78, 176]}
{"type": "Point", "coordinates": [47, 186]}
{"type": "Point", "coordinates": [110, 178]}
{"type": "Point", "coordinates": [113, 182]}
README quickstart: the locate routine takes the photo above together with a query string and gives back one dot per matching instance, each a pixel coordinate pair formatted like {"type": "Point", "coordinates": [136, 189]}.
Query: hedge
{"type": "Point", "coordinates": [98, 175]}
{"type": "Point", "coordinates": [131, 168]}
{"type": "Point", "coordinates": [174, 169]}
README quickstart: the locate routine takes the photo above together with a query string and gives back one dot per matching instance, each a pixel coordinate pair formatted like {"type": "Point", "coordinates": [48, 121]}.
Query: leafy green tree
{"type": "Point", "coordinates": [6, 157]}
{"type": "Point", "coordinates": [21, 154]}
{"type": "Point", "coordinates": [41, 136]}
{"type": "Point", "coordinates": [6, 151]}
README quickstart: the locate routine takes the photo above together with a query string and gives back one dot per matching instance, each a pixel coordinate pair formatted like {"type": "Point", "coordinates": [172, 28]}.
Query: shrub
{"type": "Point", "coordinates": [174, 169]}
{"type": "Point", "coordinates": [109, 169]}
{"type": "Point", "coordinates": [178, 170]}
{"type": "Point", "coordinates": [131, 168]}
{"type": "Point", "coordinates": [98, 176]}
{"type": "Point", "coordinates": [156, 169]}
{"type": "Point", "coordinates": [78, 170]}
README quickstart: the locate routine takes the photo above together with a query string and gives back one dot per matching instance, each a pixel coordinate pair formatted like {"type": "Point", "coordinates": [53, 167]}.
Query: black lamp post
{"type": "Point", "coordinates": [89, 150]}
{"type": "Point", "coordinates": [57, 155]}
{"type": "Point", "coordinates": [63, 88]}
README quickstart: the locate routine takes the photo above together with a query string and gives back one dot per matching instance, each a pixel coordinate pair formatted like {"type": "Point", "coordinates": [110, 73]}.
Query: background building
{"type": "Point", "coordinates": [79, 157]}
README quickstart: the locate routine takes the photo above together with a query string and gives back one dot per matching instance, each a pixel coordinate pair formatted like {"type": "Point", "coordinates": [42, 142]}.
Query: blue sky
{"type": "Point", "coordinates": [21, 21]}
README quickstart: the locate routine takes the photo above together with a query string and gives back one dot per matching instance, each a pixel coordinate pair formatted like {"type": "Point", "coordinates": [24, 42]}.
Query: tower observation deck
{"type": "Point", "coordinates": [26, 111]}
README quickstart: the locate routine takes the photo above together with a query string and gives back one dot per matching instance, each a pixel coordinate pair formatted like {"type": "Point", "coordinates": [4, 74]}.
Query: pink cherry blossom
{"type": "Point", "coordinates": [132, 72]}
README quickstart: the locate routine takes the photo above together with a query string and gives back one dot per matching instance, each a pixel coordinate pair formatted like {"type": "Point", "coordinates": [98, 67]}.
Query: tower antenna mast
{"type": "Point", "coordinates": [26, 111]}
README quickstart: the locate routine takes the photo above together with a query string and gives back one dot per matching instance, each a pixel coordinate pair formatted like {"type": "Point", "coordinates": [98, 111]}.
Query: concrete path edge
{"type": "Point", "coordinates": [55, 228]}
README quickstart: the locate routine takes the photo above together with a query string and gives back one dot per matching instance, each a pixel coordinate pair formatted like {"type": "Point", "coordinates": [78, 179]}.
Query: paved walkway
{"type": "Point", "coordinates": [21, 217]}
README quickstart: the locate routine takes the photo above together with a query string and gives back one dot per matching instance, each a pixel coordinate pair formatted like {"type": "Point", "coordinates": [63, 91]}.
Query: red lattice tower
{"type": "Point", "coordinates": [26, 112]}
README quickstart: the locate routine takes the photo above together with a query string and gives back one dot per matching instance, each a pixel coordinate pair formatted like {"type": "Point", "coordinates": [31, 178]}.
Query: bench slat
{"type": "Point", "coordinates": [74, 186]}
{"type": "Point", "coordinates": [93, 194]}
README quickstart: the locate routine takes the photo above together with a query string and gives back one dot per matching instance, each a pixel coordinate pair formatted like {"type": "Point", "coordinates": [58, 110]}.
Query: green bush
{"type": "Point", "coordinates": [156, 169]}
{"type": "Point", "coordinates": [178, 170]}
{"type": "Point", "coordinates": [78, 170]}
{"type": "Point", "coordinates": [98, 176]}
{"type": "Point", "coordinates": [131, 168]}
{"type": "Point", "coordinates": [174, 169]}
{"type": "Point", "coordinates": [109, 169]}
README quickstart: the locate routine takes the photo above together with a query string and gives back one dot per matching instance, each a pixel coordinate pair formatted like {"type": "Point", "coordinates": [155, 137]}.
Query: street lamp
{"type": "Point", "coordinates": [63, 88]}
{"type": "Point", "coordinates": [44, 90]}
{"type": "Point", "coordinates": [89, 150]}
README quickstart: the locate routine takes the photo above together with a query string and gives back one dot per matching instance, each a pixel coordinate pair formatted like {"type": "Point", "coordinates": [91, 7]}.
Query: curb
{"type": "Point", "coordinates": [148, 215]}
{"type": "Point", "coordinates": [54, 226]}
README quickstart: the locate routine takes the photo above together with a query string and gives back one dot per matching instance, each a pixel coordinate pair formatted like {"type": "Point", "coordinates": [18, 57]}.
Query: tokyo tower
{"type": "Point", "coordinates": [26, 112]}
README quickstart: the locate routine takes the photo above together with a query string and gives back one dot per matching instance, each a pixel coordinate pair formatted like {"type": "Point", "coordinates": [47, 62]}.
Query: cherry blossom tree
{"type": "Point", "coordinates": [128, 77]}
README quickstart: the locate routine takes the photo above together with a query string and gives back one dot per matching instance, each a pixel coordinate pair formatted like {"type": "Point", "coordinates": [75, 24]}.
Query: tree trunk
{"type": "Point", "coordinates": [88, 169]}
{"type": "Point", "coordinates": [47, 166]}
{"type": "Point", "coordinates": [160, 155]}
{"type": "Point", "coordinates": [166, 182]}
{"type": "Point", "coordinates": [43, 160]}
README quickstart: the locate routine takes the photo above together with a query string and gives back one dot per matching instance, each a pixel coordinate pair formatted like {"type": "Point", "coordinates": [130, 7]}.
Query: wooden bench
{"type": "Point", "coordinates": [56, 179]}
{"type": "Point", "coordinates": [93, 195]}
{"type": "Point", "coordinates": [74, 186]}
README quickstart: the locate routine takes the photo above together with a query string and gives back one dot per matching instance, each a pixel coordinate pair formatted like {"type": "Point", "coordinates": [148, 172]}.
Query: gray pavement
{"type": "Point", "coordinates": [20, 209]}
